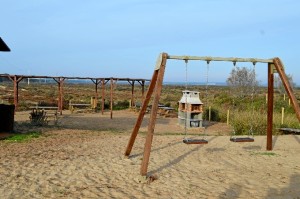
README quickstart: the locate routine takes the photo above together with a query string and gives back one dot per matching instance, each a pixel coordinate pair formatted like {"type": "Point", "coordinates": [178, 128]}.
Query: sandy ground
{"type": "Point", "coordinates": [83, 158]}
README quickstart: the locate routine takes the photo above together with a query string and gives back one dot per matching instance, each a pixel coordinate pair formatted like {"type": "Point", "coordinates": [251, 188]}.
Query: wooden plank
{"type": "Point", "coordinates": [195, 141]}
{"type": "Point", "coordinates": [289, 130]}
{"type": "Point", "coordinates": [240, 139]}
{"type": "Point", "coordinates": [230, 59]}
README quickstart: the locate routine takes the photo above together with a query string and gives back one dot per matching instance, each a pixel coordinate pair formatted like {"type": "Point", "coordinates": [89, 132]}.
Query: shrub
{"type": "Point", "coordinates": [214, 115]}
{"type": "Point", "coordinates": [243, 122]}
{"type": "Point", "coordinates": [121, 105]}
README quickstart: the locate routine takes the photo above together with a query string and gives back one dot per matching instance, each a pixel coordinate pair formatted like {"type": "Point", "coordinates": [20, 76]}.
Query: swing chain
{"type": "Point", "coordinates": [252, 98]}
{"type": "Point", "coordinates": [185, 107]}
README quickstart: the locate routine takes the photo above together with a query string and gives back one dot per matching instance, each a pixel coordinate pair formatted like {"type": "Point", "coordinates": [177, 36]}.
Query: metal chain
{"type": "Point", "coordinates": [206, 93]}
{"type": "Point", "coordinates": [252, 98]}
{"type": "Point", "coordinates": [233, 101]}
{"type": "Point", "coordinates": [185, 107]}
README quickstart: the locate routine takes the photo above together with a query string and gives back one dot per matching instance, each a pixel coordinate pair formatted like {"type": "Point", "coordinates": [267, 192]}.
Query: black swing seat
{"type": "Point", "coordinates": [242, 139]}
{"type": "Point", "coordinates": [195, 141]}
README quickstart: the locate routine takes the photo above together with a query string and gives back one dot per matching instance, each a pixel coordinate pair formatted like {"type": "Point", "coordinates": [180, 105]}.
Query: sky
{"type": "Point", "coordinates": [124, 38]}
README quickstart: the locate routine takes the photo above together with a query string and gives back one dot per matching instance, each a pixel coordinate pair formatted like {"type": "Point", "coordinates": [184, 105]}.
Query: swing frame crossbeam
{"type": "Point", "coordinates": [229, 59]}
{"type": "Point", "coordinates": [155, 88]}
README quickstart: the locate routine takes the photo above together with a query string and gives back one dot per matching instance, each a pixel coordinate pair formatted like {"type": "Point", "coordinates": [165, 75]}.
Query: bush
{"type": "Point", "coordinates": [243, 122]}
{"type": "Point", "coordinates": [121, 105]}
{"type": "Point", "coordinates": [214, 115]}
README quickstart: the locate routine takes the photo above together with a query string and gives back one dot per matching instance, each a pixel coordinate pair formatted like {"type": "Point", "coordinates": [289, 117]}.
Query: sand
{"type": "Point", "coordinates": [83, 158]}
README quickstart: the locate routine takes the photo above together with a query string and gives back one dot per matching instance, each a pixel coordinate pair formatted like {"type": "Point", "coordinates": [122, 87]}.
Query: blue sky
{"type": "Point", "coordinates": [123, 38]}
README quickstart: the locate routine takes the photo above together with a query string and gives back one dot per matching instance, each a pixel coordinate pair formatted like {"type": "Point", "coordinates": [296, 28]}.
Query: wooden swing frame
{"type": "Point", "coordinates": [274, 66]}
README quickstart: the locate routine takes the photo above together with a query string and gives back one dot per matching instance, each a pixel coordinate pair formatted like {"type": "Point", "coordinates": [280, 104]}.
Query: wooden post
{"type": "Point", "coordinates": [142, 83]}
{"type": "Point", "coordinates": [152, 120]}
{"type": "Point", "coordinates": [95, 101]}
{"type": "Point", "coordinates": [282, 114]}
{"type": "Point", "coordinates": [111, 97]}
{"type": "Point", "coordinates": [16, 81]}
{"type": "Point", "coordinates": [228, 117]}
{"type": "Point", "coordinates": [209, 113]}
{"type": "Point", "coordinates": [141, 113]}
{"type": "Point", "coordinates": [103, 95]}
{"type": "Point", "coordinates": [283, 97]}
{"type": "Point", "coordinates": [270, 107]}
{"type": "Point", "coordinates": [143, 89]}
{"type": "Point", "coordinates": [60, 82]}
{"type": "Point", "coordinates": [61, 94]}
{"type": "Point", "coordinates": [132, 93]}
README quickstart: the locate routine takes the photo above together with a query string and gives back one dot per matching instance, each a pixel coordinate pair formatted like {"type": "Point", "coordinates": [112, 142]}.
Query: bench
{"type": "Point", "coordinates": [80, 106]}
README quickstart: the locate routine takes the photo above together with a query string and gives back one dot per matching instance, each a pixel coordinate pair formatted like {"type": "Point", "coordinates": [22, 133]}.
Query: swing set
{"type": "Point", "coordinates": [274, 66]}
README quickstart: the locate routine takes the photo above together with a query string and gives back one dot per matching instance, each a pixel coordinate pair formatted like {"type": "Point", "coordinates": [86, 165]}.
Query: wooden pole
{"type": "Point", "coordinates": [132, 93]}
{"type": "Point", "coordinates": [143, 89]}
{"type": "Point", "coordinates": [16, 79]}
{"type": "Point", "coordinates": [61, 94]}
{"type": "Point", "coordinates": [103, 95]}
{"type": "Point", "coordinates": [141, 114]}
{"type": "Point", "coordinates": [282, 114]}
{"type": "Point", "coordinates": [209, 113]}
{"type": "Point", "coordinates": [230, 59]}
{"type": "Point", "coordinates": [228, 116]}
{"type": "Point", "coordinates": [95, 101]}
{"type": "Point", "coordinates": [270, 106]}
{"type": "Point", "coordinates": [111, 97]}
{"type": "Point", "coordinates": [152, 120]}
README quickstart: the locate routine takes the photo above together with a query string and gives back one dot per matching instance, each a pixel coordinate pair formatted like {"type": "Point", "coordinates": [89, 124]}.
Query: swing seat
{"type": "Point", "coordinates": [242, 139]}
{"type": "Point", "coordinates": [195, 141]}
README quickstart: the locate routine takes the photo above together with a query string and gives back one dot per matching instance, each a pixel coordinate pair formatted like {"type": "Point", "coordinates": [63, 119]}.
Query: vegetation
{"type": "Point", "coordinates": [246, 113]}
{"type": "Point", "coordinates": [23, 137]}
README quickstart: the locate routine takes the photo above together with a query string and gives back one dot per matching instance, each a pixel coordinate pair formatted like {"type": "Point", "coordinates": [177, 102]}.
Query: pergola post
{"type": "Point", "coordinates": [60, 82]}
{"type": "Point", "coordinates": [96, 82]}
{"type": "Point", "coordinates": [111, 97]}
{"type": "Point", "coordinates": [103, 95]}
{"type": "Point", "coordinates": [132, 93]}
{"type": "Point", "coordinates": [16, 79]}
{"type": "Point", "coordinates": [142, 83]}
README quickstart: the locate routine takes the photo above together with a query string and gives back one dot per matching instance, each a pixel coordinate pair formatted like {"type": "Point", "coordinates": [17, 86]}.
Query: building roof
{"type": "Point", "coordinates": [3, 46]}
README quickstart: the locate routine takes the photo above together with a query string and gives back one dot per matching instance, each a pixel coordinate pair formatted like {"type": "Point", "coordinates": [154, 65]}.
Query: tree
{"type": "Point", "coordinates": [242, 81]}
{"type": "Point", "coordinates": [279, 85]}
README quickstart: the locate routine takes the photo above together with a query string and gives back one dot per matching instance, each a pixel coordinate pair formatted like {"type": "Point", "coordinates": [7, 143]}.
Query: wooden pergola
{"type": "Point", "coordinates": [16, 79]}
{"type": "Point", "coordinates": [274, 65]}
